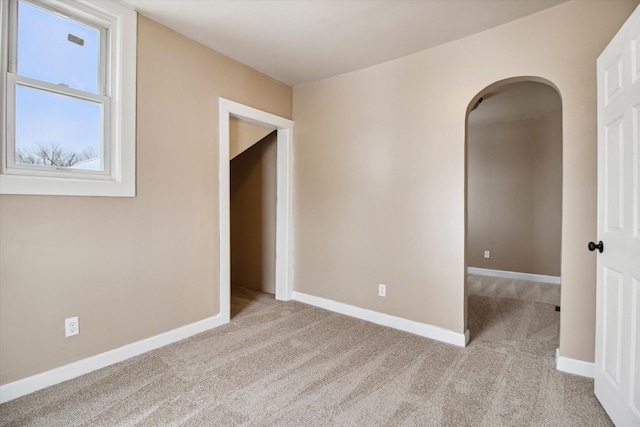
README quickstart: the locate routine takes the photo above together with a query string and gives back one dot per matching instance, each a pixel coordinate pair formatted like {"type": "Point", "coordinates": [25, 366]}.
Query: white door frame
{"type": "Point", "coordinates": [284, 202]}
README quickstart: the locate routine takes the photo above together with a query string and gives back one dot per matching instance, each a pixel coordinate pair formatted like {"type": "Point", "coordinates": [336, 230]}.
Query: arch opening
{"type": "Point", "coordinates": [513, 199]}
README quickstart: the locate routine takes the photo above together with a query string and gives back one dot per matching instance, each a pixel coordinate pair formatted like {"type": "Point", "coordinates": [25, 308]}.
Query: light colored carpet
{"type": "Point", "coordinates": [290, 364]}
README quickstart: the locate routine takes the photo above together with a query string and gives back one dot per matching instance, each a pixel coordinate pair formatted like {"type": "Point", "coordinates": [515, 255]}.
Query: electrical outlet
{"type": "Point", "coordinates": [71, 326]}
{"type": "Point", "coordinates": [382, 290]}
{"type": "Point", "coordinates": [487, 254]}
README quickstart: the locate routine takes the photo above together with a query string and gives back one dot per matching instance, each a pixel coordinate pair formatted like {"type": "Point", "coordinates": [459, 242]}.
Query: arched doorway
{"type": "Point", "coordinates": [514, 213]}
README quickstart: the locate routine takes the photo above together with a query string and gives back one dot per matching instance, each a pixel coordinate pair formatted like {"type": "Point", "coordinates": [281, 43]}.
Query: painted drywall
{"type": "Point", "coordinates": [243, 134]}
{"type": "Point", "coordinates": [514, 195]}
{"type": "Point", "coordinates": [380, 169]}
{"type": "Point", "coordinates": [547, 196]}
{"type": "Point", "coordinates": [130, 268]}
{"type": "Point", "coordinates": [517, 101]}
{"type": "Point", "coordinates": [253, 216]}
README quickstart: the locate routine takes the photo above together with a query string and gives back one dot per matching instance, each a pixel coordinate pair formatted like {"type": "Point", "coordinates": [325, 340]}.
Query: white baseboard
{"type": "Point", "coordinates": [555, 280]}
{"type": "Point", "coordinates": [574, 366]}
{"type": "Point", "coordinates": [37, 382]}
{"type": "Point", "coordinates": [422, 329]}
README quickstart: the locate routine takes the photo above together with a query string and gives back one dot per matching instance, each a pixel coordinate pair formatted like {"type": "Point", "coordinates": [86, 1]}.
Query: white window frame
{"type": "Point", "coordinates": [117, 94]}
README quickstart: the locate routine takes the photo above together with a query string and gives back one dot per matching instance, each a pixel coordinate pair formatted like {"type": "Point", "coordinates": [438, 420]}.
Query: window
{"type": "Point", "coordinates": [68, 98]}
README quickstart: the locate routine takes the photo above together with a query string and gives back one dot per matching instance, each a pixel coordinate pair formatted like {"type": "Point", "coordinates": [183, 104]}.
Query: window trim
{"type": "Point", "coordinates": [117, 92]}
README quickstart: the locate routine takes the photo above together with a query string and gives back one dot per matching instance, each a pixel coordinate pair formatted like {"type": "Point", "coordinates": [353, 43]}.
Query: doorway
{"type": "Point", "coordinates": [514, 206]}
{"type": "Point", "coordinates": [253, 216]}
{"type": "Point", "coordinates": [284, 206]}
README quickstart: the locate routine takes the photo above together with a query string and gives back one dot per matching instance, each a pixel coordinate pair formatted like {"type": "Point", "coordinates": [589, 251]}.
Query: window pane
{"type": "Point", "coordinates": [57, 50]}
{"type": "Point", "coordinates": [57, 130]}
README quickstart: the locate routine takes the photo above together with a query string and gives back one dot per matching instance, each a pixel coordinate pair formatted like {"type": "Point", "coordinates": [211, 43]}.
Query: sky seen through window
{"type": "Point", "coordinates": [45, 53]}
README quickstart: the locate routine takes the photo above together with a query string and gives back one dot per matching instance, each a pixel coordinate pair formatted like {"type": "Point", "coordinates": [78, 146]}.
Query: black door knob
{"type": "Point", "coordinates": [599, 246]}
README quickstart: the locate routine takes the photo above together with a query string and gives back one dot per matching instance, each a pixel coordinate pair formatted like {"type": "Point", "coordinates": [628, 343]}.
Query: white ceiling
{"type": "Point", "coordinates": [301, 41]}
{"type": "Point", "coordinates": [516, 101]}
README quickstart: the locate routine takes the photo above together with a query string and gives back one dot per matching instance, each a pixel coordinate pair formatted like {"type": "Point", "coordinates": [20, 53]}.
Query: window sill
{"type": "Point", "coordinates": [30, 185]}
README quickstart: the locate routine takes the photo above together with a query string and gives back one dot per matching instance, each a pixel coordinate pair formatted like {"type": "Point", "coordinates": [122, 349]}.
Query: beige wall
{"type": "Point", "coordinates": [253, 217]}
{"type": "Point", "coordinates": [514, 195]}
{"type": "Point", "coordinates": [547, 196]}
{"type": "Point", "coordinates": [130, 268]}
{"type": "Point", "coordinates": [243, 134]}
{"type": "Point", "coordinates": [380, 169]}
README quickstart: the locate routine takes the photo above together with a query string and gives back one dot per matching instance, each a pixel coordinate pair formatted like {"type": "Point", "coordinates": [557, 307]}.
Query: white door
{"type": "Point", "coordinates": [617, 374]}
